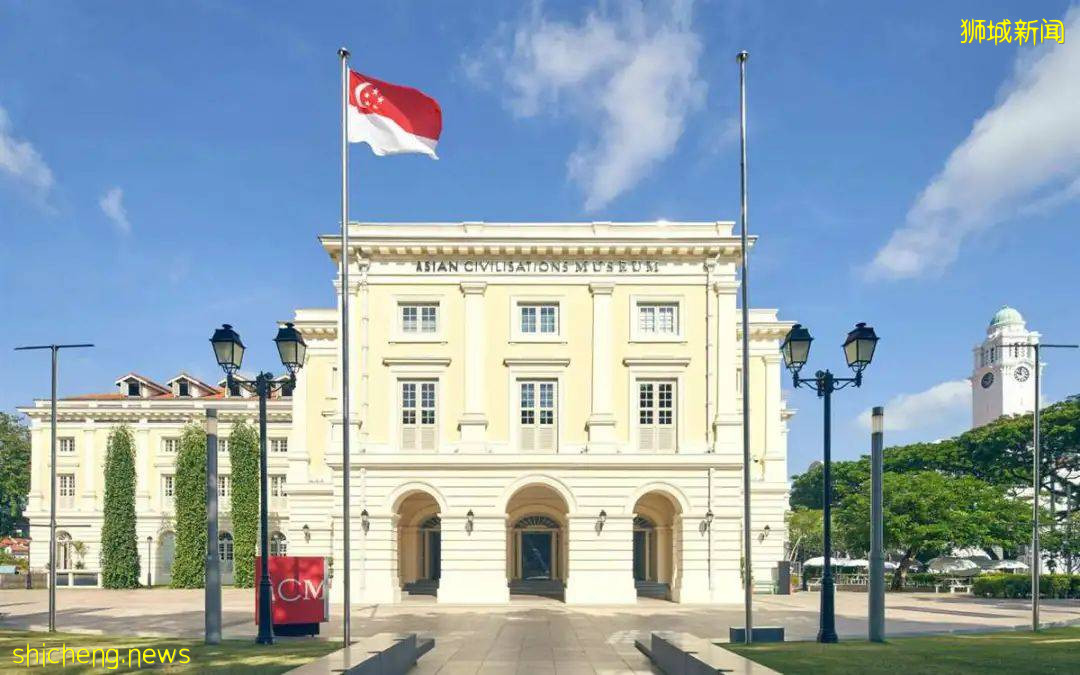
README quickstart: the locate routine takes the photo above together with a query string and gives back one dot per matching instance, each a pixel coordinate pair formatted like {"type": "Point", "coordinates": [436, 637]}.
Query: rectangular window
{"type": "Point", "coordinates": [539, 319]}
{"type": "Point", "coordinates": [65, 445]}
{"type": "Point", "coordinates": [132, 388]}
{"type": "Point", "coordinates": [658, 318]}
{"type": "Point", "coordinates": [418, 415]}
{"type": "Point", "coordinates": [224, 486]}
{"type": "Point", "coordinates": [183, 388]}
{"type": "Point", "coordinates": [656, 416]}
{"type": "Point", "coordinates": [168, 486]}
{"type": "Point", "coordinates": [65, 483]}
{"type": "Point", "coordinates": [279, 445]}
{"type": "Point", "coordinates": [171, 445]}
{"type": "Point", "coordinates": [537, 415]}
{"type": "Point", "coordinates": [223, 445]}
{"type": "Point", "coordinates": [419, 319]}
{"type": "Point", "coordinates": [277, 486]}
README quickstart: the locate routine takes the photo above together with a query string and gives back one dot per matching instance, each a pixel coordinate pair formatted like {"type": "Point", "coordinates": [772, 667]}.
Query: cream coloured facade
{"type": "Point", "coordinates": [538, 408]}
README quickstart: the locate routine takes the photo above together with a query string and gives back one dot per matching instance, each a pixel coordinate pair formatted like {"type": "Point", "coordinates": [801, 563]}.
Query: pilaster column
{"type": "Point", "coordinates": [143, 459]}
{"type": "Point", "coordinates": [90, 469]}
{"type": "Point", "coordinates": [473, 422]}
{"type": "Point", "coordinates": [726, 421]}
{"type": "Point", "coordinates": [474, 561]}
{"type": "Point", "coordinates": [601, 422]}
{"type": "Point", "coordinates": [381, 582]}
{"type": "Point", "coordinates": [601, 561]}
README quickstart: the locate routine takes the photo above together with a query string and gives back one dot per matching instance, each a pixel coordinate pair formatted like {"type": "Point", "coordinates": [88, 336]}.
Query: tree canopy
{"type": "Point", "coordinates": [14, 474]}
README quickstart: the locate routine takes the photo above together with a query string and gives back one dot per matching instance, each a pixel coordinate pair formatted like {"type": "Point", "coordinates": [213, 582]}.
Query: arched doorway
{"type": "Point", "coordinates": [537, 545]}
{"type": "Point", "coordinates": [64, 554]}
{"type": "Point", "coordinates": [166, 551]}
{"type": "Point", "coordinates": [657, 543]}
{"type": "Point", "coordinates": [419, 544]}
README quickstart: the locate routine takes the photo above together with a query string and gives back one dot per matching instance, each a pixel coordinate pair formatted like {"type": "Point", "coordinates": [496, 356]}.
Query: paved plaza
{"type": "Point", "coordinates": [531, 635]}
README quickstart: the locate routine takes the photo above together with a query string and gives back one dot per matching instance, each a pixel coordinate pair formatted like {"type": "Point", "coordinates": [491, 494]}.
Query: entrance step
{"type": "Point", "coordinates": [652, 589]}
{"type": "Point", "coordinates": [422, 587]}
{"type": "Point", "coordinates": [548, 588]}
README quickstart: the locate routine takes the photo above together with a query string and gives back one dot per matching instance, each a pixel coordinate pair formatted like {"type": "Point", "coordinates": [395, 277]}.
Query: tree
{"type": "Point", "coordinates": [244, 458]}
{"type": "Point", "coordinates": [805, 530]}
{"type": "Point", "coordinates": [926, 512]}
{"type": "Point", "coordinates": [189, 561]}
{"type": "Point", "coordinates": [807, 488]}
{"type": "Point", "coordinates": [14, 474]}
{"type": "Point", "coordinates": [119, 544]}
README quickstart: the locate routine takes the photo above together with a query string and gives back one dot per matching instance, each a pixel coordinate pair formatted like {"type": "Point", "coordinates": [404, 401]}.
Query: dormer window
{"type": "Point", "coordinates": [234, 389]}
{"type": "Point", "coordinates": [133, 388]}
{"type": "Point", "coordinates": [183, 388]}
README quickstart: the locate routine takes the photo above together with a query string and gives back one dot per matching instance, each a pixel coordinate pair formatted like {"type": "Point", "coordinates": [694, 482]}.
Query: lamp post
{"type": "Point", "coordinates": [1036, 478]}
{"type": "Point", "coordinates": [229, 352]}
{"type": "Point", "coordinates": [55, 349]}
{"type": "Point", "coordinates": [149, 564]}
{"type": "Point", "coordinates": [858, 351]}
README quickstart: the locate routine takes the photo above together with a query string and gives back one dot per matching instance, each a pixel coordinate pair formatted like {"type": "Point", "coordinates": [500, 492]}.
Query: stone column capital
{"type": "Point", "coordinates": [601, 288]}
{"type": "Point", "coordinates": [473, 287]}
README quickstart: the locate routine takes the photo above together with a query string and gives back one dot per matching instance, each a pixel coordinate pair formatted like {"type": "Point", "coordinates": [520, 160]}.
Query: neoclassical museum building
{"type": "Point", "coordinates": [537, 408]}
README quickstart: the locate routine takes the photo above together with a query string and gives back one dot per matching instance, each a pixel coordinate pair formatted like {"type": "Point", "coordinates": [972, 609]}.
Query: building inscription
{"type": "Point", "coordinates": [538, 266]}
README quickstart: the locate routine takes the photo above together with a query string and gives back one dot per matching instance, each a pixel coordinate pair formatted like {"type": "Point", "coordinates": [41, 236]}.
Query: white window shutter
{"type": "Point", "coordinates": [545, 438]}
{"type": "Point", "coordinates": [408, 437]}
{"type": "Point", "coordinates": [427, 438]}
{"type": "Point", "coordinates": [528, 438]}
{"type": "Point", "coordinates": [646, 437]}
{"type": "Point", "coordinates": [665, 440]}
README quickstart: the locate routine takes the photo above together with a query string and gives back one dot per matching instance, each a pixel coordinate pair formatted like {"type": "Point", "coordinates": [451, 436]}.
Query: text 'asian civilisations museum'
{"type": "Point", "coordinates": [547, 408]}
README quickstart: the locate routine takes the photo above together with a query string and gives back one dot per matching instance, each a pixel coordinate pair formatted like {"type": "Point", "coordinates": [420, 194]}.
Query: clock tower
{"type": "Point", "coordinates": [1002, 380]}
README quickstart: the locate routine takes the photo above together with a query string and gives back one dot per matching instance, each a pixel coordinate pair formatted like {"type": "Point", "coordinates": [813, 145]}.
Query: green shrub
{"type": "Point", "coordinates": [1019, 586]}
{"type": "Point", "coordinates": [119, 545]}
{"type": "Point", "coordinates": [244, 458]}
{"type": "Point", "coordinates": [189, 561]}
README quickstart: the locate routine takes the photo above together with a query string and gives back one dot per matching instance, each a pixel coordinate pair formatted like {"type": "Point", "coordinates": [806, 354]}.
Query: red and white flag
{"type": "Point", "coordinates": [392, 119]}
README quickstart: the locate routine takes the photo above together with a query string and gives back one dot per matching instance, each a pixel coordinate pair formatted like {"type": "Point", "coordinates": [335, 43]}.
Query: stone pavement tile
{"type": "Point", "coordinates": [536, 668]}
{"type": "Point", "coordinates": [460, 668]}
{"type": "Point", "coordinates": [498, 668]}
{"type": "Point", "coordinates": [568, 654]}
{"type": "Point", "coordinates": [574, 669]}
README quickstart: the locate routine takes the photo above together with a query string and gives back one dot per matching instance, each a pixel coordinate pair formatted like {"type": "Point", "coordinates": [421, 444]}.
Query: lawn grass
{"type": "Point", "coordinates": [1054, 650]}
{"type": "Point", "coordinates": [231, 656]}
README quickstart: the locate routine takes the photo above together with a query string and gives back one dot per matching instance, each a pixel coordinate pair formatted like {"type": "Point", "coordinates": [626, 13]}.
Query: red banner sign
{"type": "Point", "coordinates": [299, 589]}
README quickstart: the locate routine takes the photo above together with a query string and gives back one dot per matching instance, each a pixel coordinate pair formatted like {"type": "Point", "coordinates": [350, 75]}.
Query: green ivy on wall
{"type": "Point", "coordinates": [119, 544]}
{"type": "Point", "coordinates": [189, 562]}
{"type": "Point", "coordinates": [244, 457]}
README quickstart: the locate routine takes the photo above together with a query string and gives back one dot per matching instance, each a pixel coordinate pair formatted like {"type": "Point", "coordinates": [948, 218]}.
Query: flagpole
{"type": "Point", "coordinates": [748, 581]}
{"type": "Point", "coordinates": [345, 468]}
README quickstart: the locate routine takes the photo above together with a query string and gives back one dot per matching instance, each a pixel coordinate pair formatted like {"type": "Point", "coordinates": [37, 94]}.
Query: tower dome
{"type": "Point", "coordinates": [1006, 316]}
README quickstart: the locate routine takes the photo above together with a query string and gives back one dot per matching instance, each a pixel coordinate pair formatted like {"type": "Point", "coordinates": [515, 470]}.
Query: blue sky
{"type": "Point", "coordinates": [166, 167]}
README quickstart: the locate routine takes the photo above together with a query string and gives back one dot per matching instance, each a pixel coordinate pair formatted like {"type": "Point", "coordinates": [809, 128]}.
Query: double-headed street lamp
{"type": "Point", "coordinates": [229, 352]}
{"type": "Point", "coordinates": [858, 351]}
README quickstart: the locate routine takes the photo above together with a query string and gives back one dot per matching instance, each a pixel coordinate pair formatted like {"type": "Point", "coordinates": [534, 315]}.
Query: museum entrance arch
{"type": "Point", "coordinates": [657, 543]}
{"type": "Point", "coordinates": [419, 544]}
{"type": "Point", "coordinates": [537, 544]}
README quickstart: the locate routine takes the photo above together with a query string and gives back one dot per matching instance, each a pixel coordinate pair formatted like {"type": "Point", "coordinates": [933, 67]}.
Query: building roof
{"type": "Point", "coordinates": [1006, 316]}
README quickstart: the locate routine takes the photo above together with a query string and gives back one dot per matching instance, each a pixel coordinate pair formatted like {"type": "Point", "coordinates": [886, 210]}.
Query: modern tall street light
{"type": "Point", "coordinates": [858, 351]}
{"type": "Point", "coordinates": [1036, 479]}
{"type": "Point", "coordinates": [229, 352]}
{"type": "Point", "coordinates": [55, 349]}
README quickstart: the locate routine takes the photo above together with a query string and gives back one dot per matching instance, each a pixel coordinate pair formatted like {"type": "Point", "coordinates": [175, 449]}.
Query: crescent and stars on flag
{"type": "Point", "coordinates": [392, 119]}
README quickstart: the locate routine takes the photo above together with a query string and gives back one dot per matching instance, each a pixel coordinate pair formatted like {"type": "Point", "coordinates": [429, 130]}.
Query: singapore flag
{"type": "Point", "coordinates": [392, 119]}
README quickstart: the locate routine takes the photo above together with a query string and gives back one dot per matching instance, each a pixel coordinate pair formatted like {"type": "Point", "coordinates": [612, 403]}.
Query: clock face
{"type": "Point", "coordinates": [1022, 373]}
{"type": "Point", "coordinates": [987, 380]}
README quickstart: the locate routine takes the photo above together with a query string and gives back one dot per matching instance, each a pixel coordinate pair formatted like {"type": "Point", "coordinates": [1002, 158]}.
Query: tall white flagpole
{"type": "Point", "coordinates": [748, 581]}
{"type": "Point", "coordinates": [345, 468]}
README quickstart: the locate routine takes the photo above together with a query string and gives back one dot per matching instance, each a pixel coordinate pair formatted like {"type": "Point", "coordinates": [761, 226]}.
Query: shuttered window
{"type": "Point", "coordinates": [656, 416]}
{"type": "Point", "coordinates": [418, 415]}
{"type": "Point", "coordinates": [537, 416]}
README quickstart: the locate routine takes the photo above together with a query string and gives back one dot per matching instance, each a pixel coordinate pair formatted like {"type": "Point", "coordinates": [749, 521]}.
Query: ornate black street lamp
{"type": "Point", "coordinates": [858, 351]}
{"type": "Point", "coordinates": [229, 352]}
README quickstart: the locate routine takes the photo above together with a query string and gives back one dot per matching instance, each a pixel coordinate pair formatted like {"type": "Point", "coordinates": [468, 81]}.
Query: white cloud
{"type": "Point", "coordinates": [940, 404]}
{"type": "Point", "coordinates": [20, 160]}
{"type": "Point", "coordinates": [1021, 156]}
{"type": "Point", "coordinates": [112, 204]}
{"type": "Point", "coordinates": [629, 75]}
